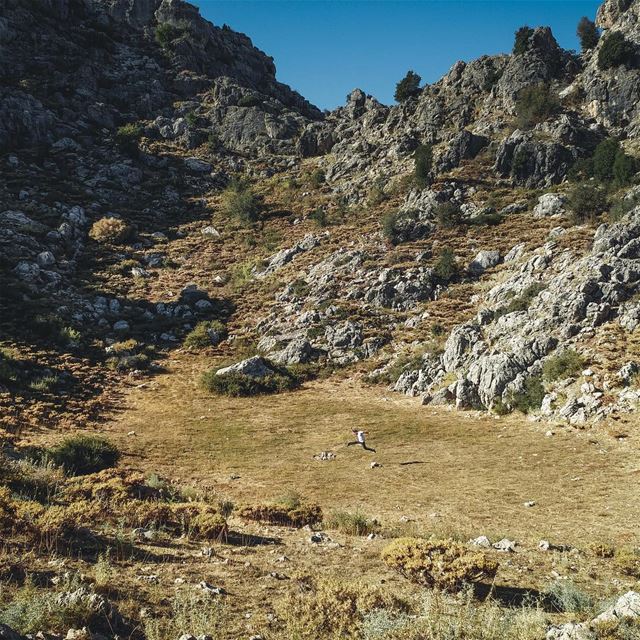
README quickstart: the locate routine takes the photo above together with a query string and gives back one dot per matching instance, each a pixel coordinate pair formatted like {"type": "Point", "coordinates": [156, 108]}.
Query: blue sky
{"type": "Point", "coordinates": [326, 48]}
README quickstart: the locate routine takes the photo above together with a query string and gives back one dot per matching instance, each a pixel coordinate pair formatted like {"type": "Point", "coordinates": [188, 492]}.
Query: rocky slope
{"type": "Point", "coordinates": [143, 111]}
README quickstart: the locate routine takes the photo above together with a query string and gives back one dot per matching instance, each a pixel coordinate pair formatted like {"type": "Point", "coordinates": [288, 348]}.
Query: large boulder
{"type": "Point", "coordinates": [255, 367]}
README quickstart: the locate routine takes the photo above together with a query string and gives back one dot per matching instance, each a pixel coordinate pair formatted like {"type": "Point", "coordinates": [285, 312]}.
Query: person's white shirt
{"type": "Point", "coordinates": [360, 436]}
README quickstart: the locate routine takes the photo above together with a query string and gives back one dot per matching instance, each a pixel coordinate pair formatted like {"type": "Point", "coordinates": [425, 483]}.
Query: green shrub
{"type": "Point", "coordinates": [620, 209]}
{"type": "Point", "coordinates": [587, 33]}
{"type": "Point", "coordinates": [240, 385]}
{"type": "Point", "coordinates": [352, 523]}
{"type": "Point", "coordinates": [604, 158]}
{"type": "Point", "coordinates": [566, 597]}
{"type": "Point", "coordinates": [191, 118]}
{"type": "Point", "coordinates": [110, 230]}
{"type": "Point", "coordinates": [567, 364]}
{"type": "Point", "coordinates": [249, 100]}
{"type": "Point", "coordinates": [82, 454]}
{"type": "Point", "coordinates": [586, 201]}
{"type": "Point", "coordinates": [166, 33]}
{"type": "Point", "coordinates": [319, 216]}
{"type": "Point", "coordinates": [408, 87]}
{"type": "Point", "coordinates": [448, 215]}
{"type": "Point", "coordinates": [615, 51]}
{"type": "Point", "coordinates": [127, 137]}
{"type": "Point", "coordinates": [523, 301]}
{"type": "Point", "coordinates": [204, 333]}
{"type": "Point", "coordinates": [519, 163]}
{"type": "Point", "coordinates": [31, 610]}
{"type": "Point", "coordinates": [239, 201]}
{"type": "Point", "coordinates": [423, 163]}
{"type": "Point", "coordinates": [624, 168]}
{"type": "Point", "coordinates": [530, 398]}
{"type": "Point", "coordinates": [627, 561]}
{"type": "Point", "coordinates": [535, 104]}
{"type": "Point", "coordinates": [317, 178]}
{"type": "Point", "coordinates": [446, 266]}
{"type": "Point", "coordinates": [44, 384]}
{"type": "Point", "coordinates": [8, 368]}
{"type": "Point", "coordinates": [213, 142]}
{"type": "Point", "coordinates": [389, 227]}
{"type": "Point", "coordinates": [521, 41]}
{"type": "Point", "coordinates": [376, 194]}
{"type": "Point", "coordinates": [132, 362]}
{"type": "Point", "coordinates": [441, 564]}
{"type": "Point", "coordinates": [200, 614]}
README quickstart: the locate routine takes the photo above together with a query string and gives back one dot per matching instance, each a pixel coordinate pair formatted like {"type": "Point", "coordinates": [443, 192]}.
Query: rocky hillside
{"type": "Point", "coordinates": [137, 115]}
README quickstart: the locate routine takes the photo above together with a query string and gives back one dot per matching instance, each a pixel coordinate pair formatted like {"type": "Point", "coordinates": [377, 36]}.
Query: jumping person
{"type": "Point", "coordinates": [360, 439]}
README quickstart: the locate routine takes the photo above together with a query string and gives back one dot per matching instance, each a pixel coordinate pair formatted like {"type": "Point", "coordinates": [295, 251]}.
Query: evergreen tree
{"type": "Point", "coordinates": [588, 33]}
{"type": "Point", "coordinates": [408, 87]}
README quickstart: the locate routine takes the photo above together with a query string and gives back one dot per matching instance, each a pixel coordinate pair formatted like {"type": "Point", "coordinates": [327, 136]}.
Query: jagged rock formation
{"type": "Point", "coordinates": [140, 110]}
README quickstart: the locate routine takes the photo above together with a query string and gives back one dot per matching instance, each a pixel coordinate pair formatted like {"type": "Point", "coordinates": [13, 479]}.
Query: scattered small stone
{"type": "Point", "coordinates": [374, 465]}
{"type": "Point", "coordinates": [210, 589]}
{"type": "Point", "coordinates": [505, 545]}
{"type": "Point", "coordinates": [529, 503]}
{"type": "Point", "coordinates": [481, 541]}
{"type": "Point", "coordinates": [319, 538]}
{"type": "Point", "coordinates": [325, 455]}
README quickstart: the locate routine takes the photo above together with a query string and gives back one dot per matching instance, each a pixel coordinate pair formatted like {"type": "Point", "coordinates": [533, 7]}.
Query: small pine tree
{"type": "Point", "coordinates": [615, 51]}
{"type": "Point", "coordinates": [588, 33]}
{"type": "Point", "coordinates": [423, 157]}
{"type": "Point", "coordinates": [604, 158]}
{"type": "Point", "coordinates": [521, 43]}
{"type": "Point", "coordinates": [408, 87]}
{"type": "Point", "coordinates": [624, 168]}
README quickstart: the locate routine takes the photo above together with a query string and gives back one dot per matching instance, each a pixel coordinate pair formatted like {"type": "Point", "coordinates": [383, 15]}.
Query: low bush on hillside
{"type": "Point", "coordinates": [84, 454]}
{"type": "Point", "coordinates": [601, 549]}
{"type": "Point", "coordinates": [523, 301]}
{"type": "Point", "coordinates": [586, 201]}
{"type": "Point", "coordinates": [127, 137]}
{"type": "Point", "coordinates": [33, 609]}
{"type": "Point", "coordinates": [352, 523]}
{"type": "Point", "coordinates": [535, 104]}
{"type": "Point", "coordinates": [293, 514]}
{"type": "Point", "coordinates": [111, 230]}
{"type": "Point", "coordinates": [567, 364]}
{"type": "Point", "coordinates": [621, 208]}
{"type": "Point", "coordinates": [249, 100]}
{"type": "Point", "coordinates": [423, 163]}
{"type": "Point", "coordinates": [319, 216]}
{"type": "Point", "coordinates": [202, 615]}
{"type": "Point", "coordinates": [389, 227]}
{"type": "Point", "coordinates": [317, 178]}
{"type": "Point", "coordinates": [9, 371]}
{"type": "Point", "coordinates": [239, 201]}
{"type": "Point", "coordinates": [206, 334]}
{"type": "Point", "coordinates": [530, 398]}
{"type": "Point", "coordinates": [239, 385]}
{"type": "Point", "coordinates": [323, 609]}
{"type": "Point", "coordinates": [627, 561]}
{"type": "Point", "coordinates": [448, 215]}
{"type": "Point", "coordinates": [166, 33]}
{"type": "Point", "coordinates": [441, 564]}
{"type": "Point", "coordinates": [615, 51]}
{"type": "Point", "coordinates": [564, 596]}
{"type": "Point", "coordinates": [446, 266]}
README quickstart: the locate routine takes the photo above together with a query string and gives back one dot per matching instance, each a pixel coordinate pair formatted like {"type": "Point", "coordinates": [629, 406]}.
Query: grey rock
{"type": "Point", "coordinates": [549, 204]}
{"type": "Point", "coordinates": [255, 367]}
{"type": "Point", "coordinates": [484, 260]}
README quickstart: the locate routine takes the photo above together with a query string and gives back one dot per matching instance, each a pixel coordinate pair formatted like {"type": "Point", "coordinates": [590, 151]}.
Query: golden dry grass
{"type": "Point", "coordinates": [471, 473]}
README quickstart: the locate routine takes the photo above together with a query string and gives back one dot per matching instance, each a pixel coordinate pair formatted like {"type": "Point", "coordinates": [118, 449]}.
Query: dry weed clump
{"type": "Point", "coordinates": [441, 564]}
{"type": "Point", "coordinates": [332, 608]}
{"type": "Point", "coordinates": [111, 230]}
{"type": "Point", "coordinates": [297, 515]}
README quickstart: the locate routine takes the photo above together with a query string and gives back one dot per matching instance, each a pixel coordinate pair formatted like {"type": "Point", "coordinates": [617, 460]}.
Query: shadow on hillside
{"type": "Point", "coordinates": [513, 597]}
{"type": "Point", "coordinates": [237, 539]}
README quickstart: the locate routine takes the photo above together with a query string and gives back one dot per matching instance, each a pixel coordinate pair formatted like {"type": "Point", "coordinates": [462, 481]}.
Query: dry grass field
{"type": "Point", "coordinates": [458, 472]}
